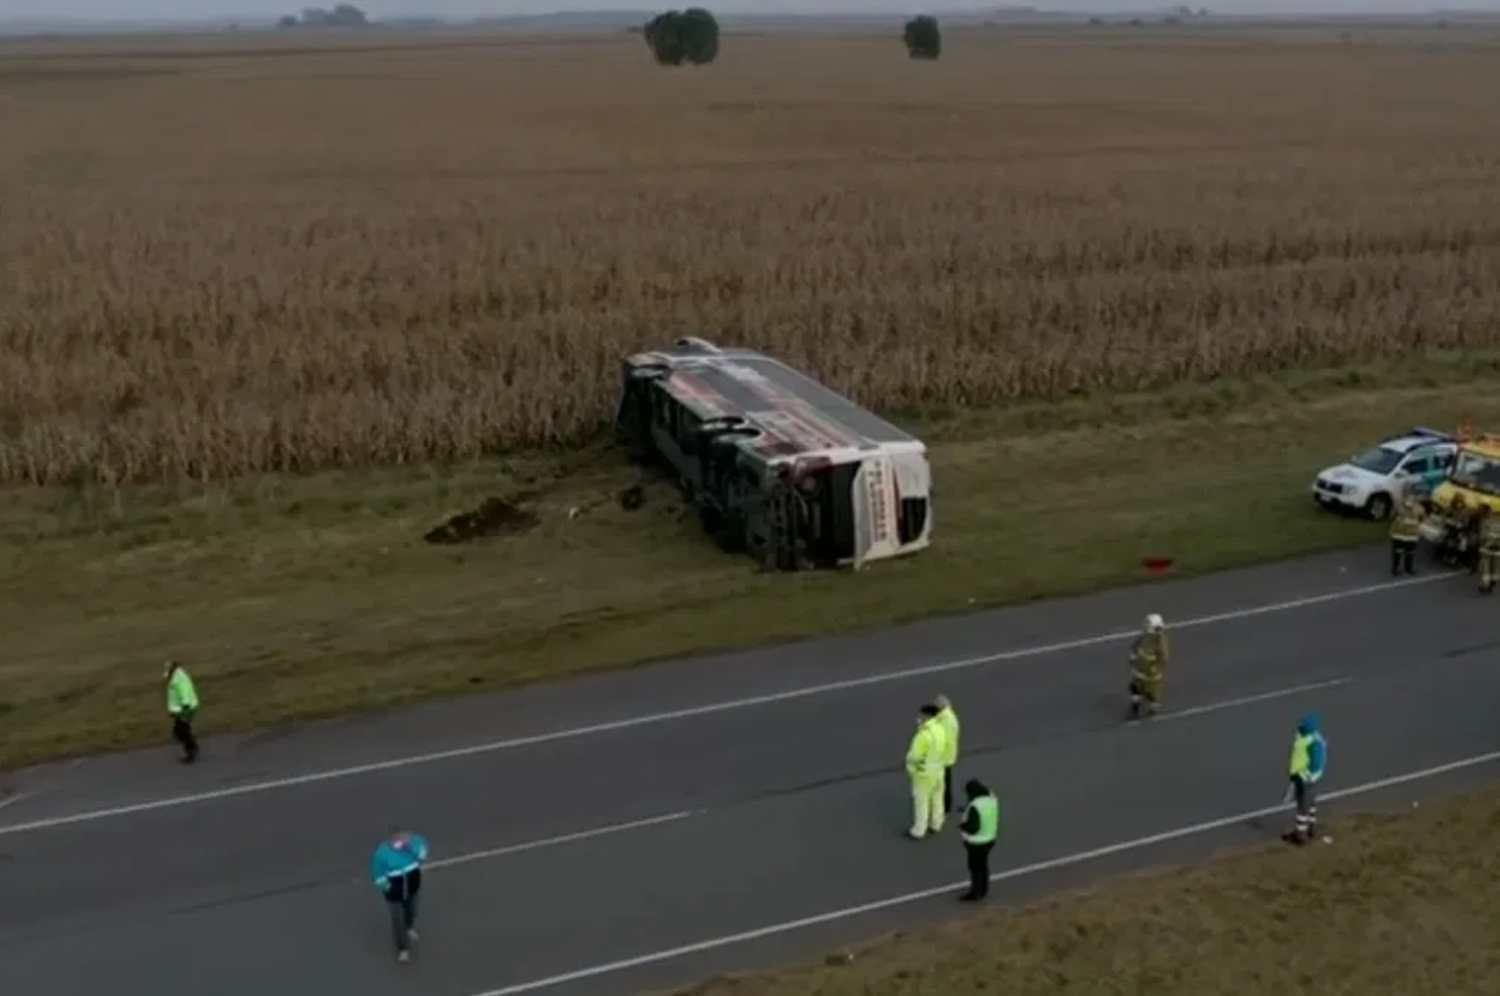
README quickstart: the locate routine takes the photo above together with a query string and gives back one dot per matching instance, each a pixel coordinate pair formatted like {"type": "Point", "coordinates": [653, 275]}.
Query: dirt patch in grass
{"type": "Point", "coordinates": [296, 598]}
{"type": "Point", "coordinates": [494, 517]}
{"type": "Point", "coordinates": [1396, 906]}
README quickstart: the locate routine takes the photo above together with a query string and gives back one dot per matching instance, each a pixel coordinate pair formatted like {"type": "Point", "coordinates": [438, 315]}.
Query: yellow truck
{"type": "Point", "coordinates": [1475, 477]}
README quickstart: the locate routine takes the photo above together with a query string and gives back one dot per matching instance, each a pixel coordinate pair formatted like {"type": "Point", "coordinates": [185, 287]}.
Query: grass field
{"type": "Point", "coordinates": [293, 598]}
{"type": "Point", "coordinates": [1397, 905]}
{"type": "Point", "coordinates": [272, 309]}
{"type": "Point", "coordinates": [275, 255]}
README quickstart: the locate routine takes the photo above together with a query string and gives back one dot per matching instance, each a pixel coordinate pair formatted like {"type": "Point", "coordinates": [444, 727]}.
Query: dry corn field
{"type": "Point", "coordinates": [219, 260]}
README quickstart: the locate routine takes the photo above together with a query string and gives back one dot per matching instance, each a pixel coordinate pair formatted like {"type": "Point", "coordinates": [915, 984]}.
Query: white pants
{"type": "Point", "coordinates": [927, 805]}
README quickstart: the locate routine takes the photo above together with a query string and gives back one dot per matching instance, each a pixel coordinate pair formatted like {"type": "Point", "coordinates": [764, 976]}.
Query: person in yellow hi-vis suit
{"type": "Point", "coordinates": [924, 766]}
{"type": "Point", "coordinates": [949, 719]}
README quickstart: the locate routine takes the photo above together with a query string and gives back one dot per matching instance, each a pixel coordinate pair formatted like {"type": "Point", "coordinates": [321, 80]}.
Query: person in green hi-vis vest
{"type": "Point", "coordinates": [182, 704]}
{"type": "Point", "coordinates": [980, 828]}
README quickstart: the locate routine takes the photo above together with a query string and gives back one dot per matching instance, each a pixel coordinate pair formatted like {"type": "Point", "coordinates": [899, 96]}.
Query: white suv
{"type": "Point", "coordinates": [1372, 482]}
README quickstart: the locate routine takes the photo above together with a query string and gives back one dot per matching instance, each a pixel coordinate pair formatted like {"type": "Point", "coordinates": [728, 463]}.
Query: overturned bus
{"type": "Point", "coordinates": [776, 464]}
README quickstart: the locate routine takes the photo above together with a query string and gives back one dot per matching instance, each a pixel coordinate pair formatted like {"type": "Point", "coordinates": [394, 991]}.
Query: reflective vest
{"type": "Point", "coordinates": [181, 695]}
{"type": "Point", "coordinates": [1301, 762]}
{"type": "Point", "coordinates": [948, 720]}
{"type": "Point", "coordinates": [988, 808]}
{"type": "Point", "coordinates": [1406, 525]}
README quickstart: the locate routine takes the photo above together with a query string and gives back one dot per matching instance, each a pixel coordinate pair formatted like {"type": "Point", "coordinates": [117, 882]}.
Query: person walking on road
{"type": "Point", "coordinates": [1309, 758]}
{"type": "Point", "coordinates": [949, 721]}
{"type": "Point", "coordinates": [1148, 664]}
{"type": "Point", "coordinates": [182, 705]}
{"type": "Point", "coordinates": [924, 766]}
{"type": "Point", "coordinates": [980, 827]}
{"type": "Point", "coordinates": [397, 870]}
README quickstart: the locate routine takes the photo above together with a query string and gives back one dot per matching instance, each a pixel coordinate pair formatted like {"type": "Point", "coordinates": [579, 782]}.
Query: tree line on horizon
{"type": "Point", "coordinates": [675, 37]}
{"type": "Point", "coordinates": [691, 37]}
{"type": "Point", "coordinates": [342, 15]}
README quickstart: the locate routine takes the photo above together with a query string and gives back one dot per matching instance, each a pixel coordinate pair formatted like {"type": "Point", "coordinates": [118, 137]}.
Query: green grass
{"type": "Point", "coordinates": [1395, 906]}
{"type": "Point", "coordinates": [296, 598]}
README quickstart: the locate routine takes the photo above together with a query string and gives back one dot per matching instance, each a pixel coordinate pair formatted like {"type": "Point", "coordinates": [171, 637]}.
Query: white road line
{"type": "Point", "coordinates": [567, 838]}
{"type": "Point", "coordinates": [12, 800]}
{"type": "Point", "coordinates": [790, 926]}
{"type": "Point", "coordinates": [847, 684]}
{"type": "Point", "coordinates": [1279, 693]}
{"type": "Point", "coordinates": [651, 821]}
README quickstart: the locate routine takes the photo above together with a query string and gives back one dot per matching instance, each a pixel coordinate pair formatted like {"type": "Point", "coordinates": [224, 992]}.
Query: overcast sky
{"type": "Point", "coordinates": [116, 10]}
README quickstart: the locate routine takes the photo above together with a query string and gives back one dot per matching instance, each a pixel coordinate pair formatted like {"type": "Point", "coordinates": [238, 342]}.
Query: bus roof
{"type": "Point", "coordinates": [795, 414]}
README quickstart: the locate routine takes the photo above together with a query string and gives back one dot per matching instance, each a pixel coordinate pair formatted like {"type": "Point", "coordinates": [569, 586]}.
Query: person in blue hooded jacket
{"type": "Point", "coordinates": [396, 868]}
{"type": "Point", "coordinates": [1309, 758]}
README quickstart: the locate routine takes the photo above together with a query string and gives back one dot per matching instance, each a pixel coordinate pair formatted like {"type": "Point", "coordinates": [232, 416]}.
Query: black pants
{"type": "Point", "coordinates": [1403, 554]}
{"type": "Point", "coordinates": [948, 789]}
{"type": "Point", "coordinates": [401, 902]}
{"type": "Point", "coordinates": [979, 868]}
{"type": "Point", "coordinates": [182, 732]}
{"type": "Point", "coordinates": [1305, 822]}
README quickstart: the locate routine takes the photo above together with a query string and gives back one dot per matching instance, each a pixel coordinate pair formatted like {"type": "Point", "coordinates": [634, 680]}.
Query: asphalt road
{"type": "Point", "coordinates": [765, 788]}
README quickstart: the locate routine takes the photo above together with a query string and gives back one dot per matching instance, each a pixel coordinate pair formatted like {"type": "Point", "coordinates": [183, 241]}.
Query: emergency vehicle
{"type": "Point", "coordinates": [1371, 483]}
{"type": "Point", "coordinates": [1475, 476]}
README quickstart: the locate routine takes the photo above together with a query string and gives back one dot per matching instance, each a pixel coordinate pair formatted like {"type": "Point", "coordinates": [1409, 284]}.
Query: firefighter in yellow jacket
{"type": "Point", "coordinates": [924, 766]}
{"type": "Point", "coordinates": [1406, 530]}
{"type": "Point", "coordinates": [1148, 664]}
{"type": "Point", "coordinates": [1454, 548]}
{"type": "Point", "coordinates": [1473, 524]}
{"type": "Point", "coordinates": [1489, 549]}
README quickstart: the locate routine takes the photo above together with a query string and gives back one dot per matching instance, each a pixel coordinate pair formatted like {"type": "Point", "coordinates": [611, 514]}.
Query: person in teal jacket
{"type": "Point", "coordinates": [396, 868]}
